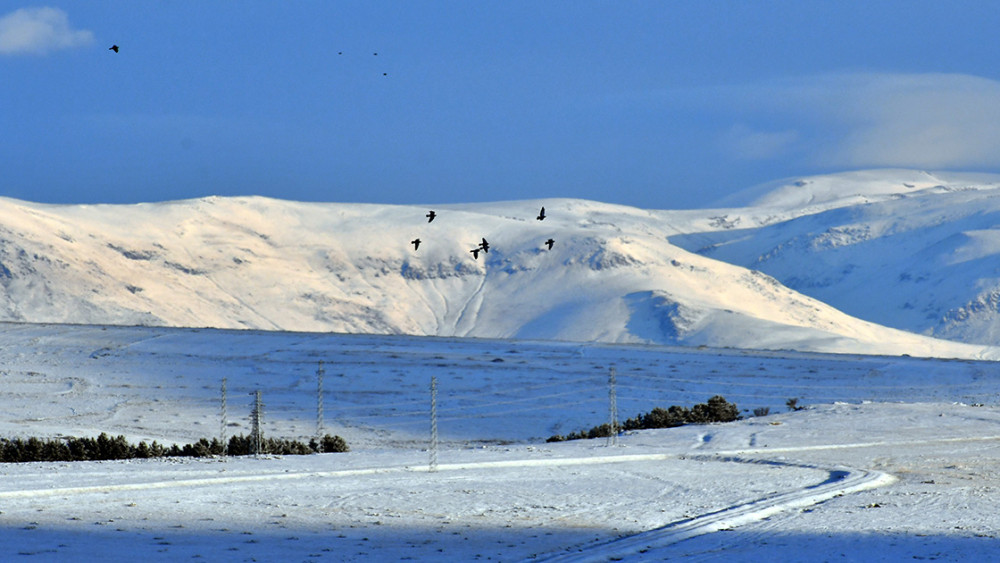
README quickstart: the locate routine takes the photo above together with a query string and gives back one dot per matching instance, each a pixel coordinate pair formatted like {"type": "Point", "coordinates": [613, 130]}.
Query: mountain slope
{"type": "Point", "coordinates": [922, 258]}
{"type": "Point", "coordinates": [611, 275]}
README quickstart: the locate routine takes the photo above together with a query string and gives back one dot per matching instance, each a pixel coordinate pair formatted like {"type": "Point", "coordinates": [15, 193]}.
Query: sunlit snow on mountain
{"type": "Point", "coordinates": [905, 249]}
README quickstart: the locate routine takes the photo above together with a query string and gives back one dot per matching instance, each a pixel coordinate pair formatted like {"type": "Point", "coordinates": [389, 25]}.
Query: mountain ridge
{"type": "Point", "coordinates": [613, 274]}
{"type": "Point", "coordinates": [922, 262]}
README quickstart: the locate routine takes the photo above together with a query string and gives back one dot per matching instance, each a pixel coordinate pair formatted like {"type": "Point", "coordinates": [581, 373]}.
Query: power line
{"type": "Point", "coordinates": [224, 423]}
{"type": "Point", "coordinates": [319, 400]}
{"type": "Point", "coordinates": [612, 408]}
{"type": "Point", "coordinates": [256, 416]}
{"type": "Point", "coordinates": [434, 426]}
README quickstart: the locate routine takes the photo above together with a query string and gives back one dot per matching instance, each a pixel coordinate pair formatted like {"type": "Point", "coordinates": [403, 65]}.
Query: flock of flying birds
{"type": "Point", "coordinates": [115, 49]}
{"type": "Point", "coordinates": [483, 246]}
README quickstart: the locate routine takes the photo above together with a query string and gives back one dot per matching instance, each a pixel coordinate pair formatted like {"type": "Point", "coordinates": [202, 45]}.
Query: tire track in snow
{"type": "Point", "coordinates": [841, 481]}
{"type": "Point", "coordinates": [185, 483]}
{"type": "Point", "coordinates": [258, 477]}
{"type": "Point", "coordinates": [732, 455]}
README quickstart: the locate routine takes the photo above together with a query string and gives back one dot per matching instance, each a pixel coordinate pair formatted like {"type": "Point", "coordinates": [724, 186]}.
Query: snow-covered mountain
{"type": "Point", "coordinates": [612, 274]}
{"type": "Point", "coordinates": [910, 250]}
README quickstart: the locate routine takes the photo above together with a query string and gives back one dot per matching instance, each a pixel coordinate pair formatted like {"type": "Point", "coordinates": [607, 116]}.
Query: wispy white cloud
{"type": "Point", "coordinates": [869, 120]}
{"type": "Point", "coordinates": [931, 120]}
{"type": "Point", "coordinates": [748, 143]}
{"type": "Point", "coordinates": [39, 31]}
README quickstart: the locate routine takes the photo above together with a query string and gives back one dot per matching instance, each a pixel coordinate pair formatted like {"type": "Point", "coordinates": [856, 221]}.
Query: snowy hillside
{"type": "Point", "coordinates": [910, 250]}
{"type": "Point", "coordinates": [610, 276]}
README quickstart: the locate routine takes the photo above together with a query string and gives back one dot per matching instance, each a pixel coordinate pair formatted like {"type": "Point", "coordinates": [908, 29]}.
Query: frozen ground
{"type": "Point", "coordinates": [890, 460]}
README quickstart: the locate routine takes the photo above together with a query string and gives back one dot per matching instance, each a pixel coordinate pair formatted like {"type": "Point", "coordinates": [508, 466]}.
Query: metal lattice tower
{"type": "Point", "coordinates": [224, 422]}
{"type": "Point", "coordinates": [434, 425]}
{"type": "Point", "coordinates": [256, 416]}
{"type": "Point", "coordinates": [319, 400]}
{"type": "Point", "coordinates": [612, 408]}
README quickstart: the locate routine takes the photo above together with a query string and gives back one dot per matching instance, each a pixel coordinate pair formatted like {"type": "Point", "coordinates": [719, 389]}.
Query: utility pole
{"type": "Point", "coordinates": [224, 424]}
{"type": "Point", "coordinates": [434, 425]}
{"type": "Point", "coordinates": [319, 401]}
{"type": "Point", "coordinates": [255, 422]}
{"type": "Point", "coordinates": [612, 408]}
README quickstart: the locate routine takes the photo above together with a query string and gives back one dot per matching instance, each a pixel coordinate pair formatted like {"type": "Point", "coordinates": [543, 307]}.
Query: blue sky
{"type": "Point", "coordinates": [665, 105]}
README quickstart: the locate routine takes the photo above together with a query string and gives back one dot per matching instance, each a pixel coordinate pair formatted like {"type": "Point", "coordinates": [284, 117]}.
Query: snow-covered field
{"type": "Point", "coordinates": [893, 458]}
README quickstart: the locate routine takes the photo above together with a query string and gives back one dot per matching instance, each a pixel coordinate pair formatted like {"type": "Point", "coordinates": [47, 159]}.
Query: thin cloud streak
{"type": "Point", "coordinates": [931, 120]}
{"type": "Point", "coordinates": [39, 31]}
{"type": "Point", "coordinates": [869, 120]}
{"type": "Point", "coordinates": [747, 143]}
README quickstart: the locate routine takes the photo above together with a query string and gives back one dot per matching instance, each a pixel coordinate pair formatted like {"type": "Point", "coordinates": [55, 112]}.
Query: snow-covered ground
{"type": "Point", "coordinates": [893, 458]}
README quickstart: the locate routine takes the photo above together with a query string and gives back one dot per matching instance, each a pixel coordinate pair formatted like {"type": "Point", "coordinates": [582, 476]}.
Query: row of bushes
{"type": "Point", "coordinates": [105, 447]}
{"type": "Point", "coordinates": [717, 409]}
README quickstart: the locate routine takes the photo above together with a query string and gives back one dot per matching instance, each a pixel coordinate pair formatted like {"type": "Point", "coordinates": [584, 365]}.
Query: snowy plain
{"type": "Point", "coordinates": [893, 457]}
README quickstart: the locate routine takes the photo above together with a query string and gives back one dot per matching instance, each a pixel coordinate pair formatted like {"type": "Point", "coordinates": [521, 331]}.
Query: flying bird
{"type": "Point", "coordinates": [485, 246]}
{"type": "Point", "coordinates": [549, 243]}
{"type": "Point", "coordinates": [430, 216]}
{"type": "Point", "coordinates": [475, 253]}
{"type": "Point", "coordinates": [113, 48]}
{"type": "Point", "coordinates": [541, 215]}
{"type": "Point", "coordinates": [416, 243]}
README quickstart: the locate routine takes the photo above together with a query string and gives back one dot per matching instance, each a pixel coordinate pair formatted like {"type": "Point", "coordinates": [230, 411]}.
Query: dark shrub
{"type": "Point", "coordinates": [717, 409]}
{"type": "Point", "coordinates": [333, 444]}
{"type": "Point", "coordinates": [665, 418]}
{"type": "Point", "coordinates": [720, 410]}
{"type": "Point", "coordinates": [105, 447]}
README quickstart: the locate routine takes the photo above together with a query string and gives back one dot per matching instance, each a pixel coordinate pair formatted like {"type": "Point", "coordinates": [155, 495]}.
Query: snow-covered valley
{"type": "Point", "coordinates": [835, 291]}
{"type": "Point", "coordinates": [893, 457]}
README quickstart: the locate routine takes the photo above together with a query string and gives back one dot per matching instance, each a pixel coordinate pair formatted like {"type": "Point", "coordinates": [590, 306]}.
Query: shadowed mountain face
{"type": "Point", "coordinates": [618, 274]}
{"type": "Point", "coordinates": [922, 259]}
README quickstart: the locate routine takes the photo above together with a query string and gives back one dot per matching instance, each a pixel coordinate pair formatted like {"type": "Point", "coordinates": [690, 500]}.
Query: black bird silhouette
{"type": "Point", "coordinates": [113, 48]}
{"type": "Point", "coordinates": [430, 216]}
{"type": "Point", "coordinates": [416, 243]}
{"type": "Point", "coordinates": [541, 215]}
{"type": "Point", "coordinates": [485, 246]}
{"type": "Point", "coordinates": [475, 253]}
{"type": "Point", "coordinates": [549, 243]}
